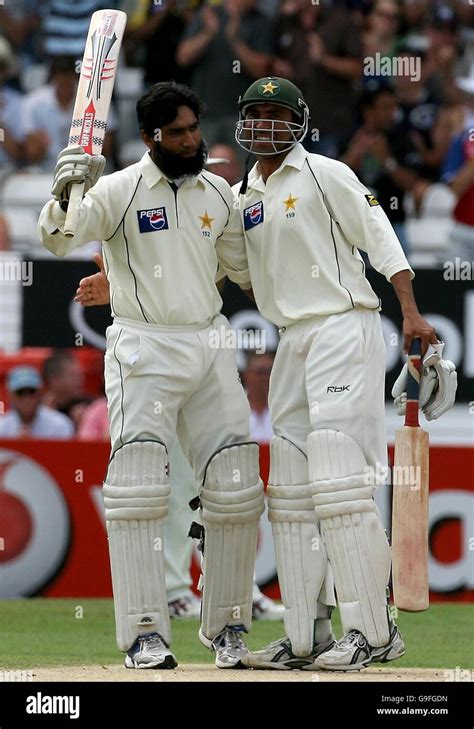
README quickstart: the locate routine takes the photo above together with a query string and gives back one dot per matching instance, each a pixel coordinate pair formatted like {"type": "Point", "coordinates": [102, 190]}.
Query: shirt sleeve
{"type": "Point", "coordinates": [362, 220]}
{"type": "Point", "coordinates": [96, 221]}
{"type": "Point", "coordinates": [231, 251]}
{"type": "Point", "coordinates": [453, 161]}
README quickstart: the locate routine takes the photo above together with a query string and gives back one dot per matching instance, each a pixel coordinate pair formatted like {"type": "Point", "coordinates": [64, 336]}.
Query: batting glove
{"type": "Point", "coordinates": [75, 165]}
{"type": "Point", "coordinates": [438, 385]}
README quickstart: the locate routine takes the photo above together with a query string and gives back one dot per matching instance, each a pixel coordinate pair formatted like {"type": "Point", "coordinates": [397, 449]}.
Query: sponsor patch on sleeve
{"type": "Point", "coordinates": [372, 200]}
{"type": "Point", "coordinates": [253, 215]}
{"type": "Point", "coordinates": [151, 220]}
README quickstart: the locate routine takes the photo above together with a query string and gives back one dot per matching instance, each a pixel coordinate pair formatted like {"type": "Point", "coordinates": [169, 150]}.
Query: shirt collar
{"type": "Point", "coordinates": [153, 175]}
{"type": "Point", "coordinates": [295, 158]}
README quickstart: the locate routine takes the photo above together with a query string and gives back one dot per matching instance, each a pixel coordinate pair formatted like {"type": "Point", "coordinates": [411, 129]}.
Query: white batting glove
{"type": "Point", "coordinates": [438, 385]}
{"type": "Point", "coordinates": [75, 165]}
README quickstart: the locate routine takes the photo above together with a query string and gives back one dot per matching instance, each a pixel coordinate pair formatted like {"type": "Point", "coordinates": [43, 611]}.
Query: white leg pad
{"type": "Point", "coordinates": [350, 526]}
{"type": "Point", "coordinates": [232, 501]}
{"type": "Point", "coordinates": [300, 553]}
{"type": "Point", "coordinates": [136, 493]}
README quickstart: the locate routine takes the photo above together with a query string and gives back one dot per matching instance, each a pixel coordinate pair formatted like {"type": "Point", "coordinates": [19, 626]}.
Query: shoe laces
{"type": "Point", "coordinates": [152, 641]}
{"type": "Point", "coordinates": [230, 638]}
{"type": "Point", "coordinates": [349, 639]}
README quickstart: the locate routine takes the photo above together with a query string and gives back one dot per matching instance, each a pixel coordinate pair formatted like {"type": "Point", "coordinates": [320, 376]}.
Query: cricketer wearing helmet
{"type": "Point", "coordinates": [304, 218]}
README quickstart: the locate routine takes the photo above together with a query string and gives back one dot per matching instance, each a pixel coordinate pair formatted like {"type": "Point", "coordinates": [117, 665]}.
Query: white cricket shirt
{"type": "Point", "coordinates": [302, 231]}
{"type": "Point", "coordinates": [161, 247]}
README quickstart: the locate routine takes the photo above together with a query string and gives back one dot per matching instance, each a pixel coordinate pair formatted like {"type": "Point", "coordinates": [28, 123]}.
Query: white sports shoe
{"type": "Point", "coordinates": [280, 657]}
{"type": "Point", "coordinates": [263, 608]}
{"type": "Point", "coordinates": [150, 651]}
{"type": "Point", "coordinates": [353, 652]}
{"type": "Point", "coordinates": [228, 646]}
{"type": "Point", "coordinates": [187, 607]}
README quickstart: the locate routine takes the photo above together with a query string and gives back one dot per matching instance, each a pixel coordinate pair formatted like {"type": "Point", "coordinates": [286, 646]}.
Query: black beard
{"type": "Point", "coordinates": [173, 166]}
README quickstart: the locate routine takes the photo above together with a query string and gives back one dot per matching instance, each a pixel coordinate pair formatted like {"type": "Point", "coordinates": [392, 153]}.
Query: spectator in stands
{"type": "Point", "coordinates": [226, 47]}
{"type": "Point", "coordinates": [458, 173]}
{"type": "Point", "coordinates": [229, 170]}
{"type": "Point", "coordinates": [381, 33]}
{"type": "Point", "coordinates": [47, 115]}
{"type": "Point", "coordinates": [319, 48]}
{"type": "Point", "coordinates": [384, 160]}
{"type": "Point", "coordinates": [28, 418]}
{"type": "Point", "coordinates": [11, 147]}
{"type": "Point", "coordinates": [414, 15]}
{"type": "Point", "coordinates": [94, 424]}
{"type": "Point", "coordinates": [256, 380]}
{"type": "Point", "coordinates": [156, 29]}
{"type": "Point", "coordinates": [64, 381]}
{"type": "Point", "coordinates": [65, 25]}
{"type": "Point", "coordinates": [19, 21]}
{"type": "Point", "coordinates": [443, 51]}
{"type": "Point", "coordinates": [418, 112]}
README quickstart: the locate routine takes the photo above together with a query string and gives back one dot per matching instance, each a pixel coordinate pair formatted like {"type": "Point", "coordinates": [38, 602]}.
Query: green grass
{"type": "Point", "coordinates": [46, 632]}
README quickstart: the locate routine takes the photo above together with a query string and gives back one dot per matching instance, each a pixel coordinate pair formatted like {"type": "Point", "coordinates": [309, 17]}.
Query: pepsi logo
{"type": "Point", "coordinates": [253, 215]}
{"type": "Point", "coordinates": [154, 219]}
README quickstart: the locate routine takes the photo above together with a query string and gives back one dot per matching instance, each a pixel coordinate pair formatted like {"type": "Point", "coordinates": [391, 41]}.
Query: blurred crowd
{"type": "Point", "coordinates": [389, 83]}
{"type": "Point", "coordinates": [51, 402]}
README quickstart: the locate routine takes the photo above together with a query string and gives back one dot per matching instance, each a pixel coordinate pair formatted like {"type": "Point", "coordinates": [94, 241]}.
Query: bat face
{"type": "Point", "coordinates": [96, 81]}
{"type": "Point", "coordinates": [410, 501]}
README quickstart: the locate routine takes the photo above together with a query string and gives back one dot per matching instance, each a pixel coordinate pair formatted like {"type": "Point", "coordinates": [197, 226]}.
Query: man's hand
{"type": "Point", "coordinates": [94, 290]}
{"type": "Point", "coordinates": [414, 325]}
{"type": "Point", "coordinates": [75, 165]}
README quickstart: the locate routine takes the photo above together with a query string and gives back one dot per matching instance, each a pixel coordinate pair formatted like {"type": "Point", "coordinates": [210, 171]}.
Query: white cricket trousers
{"type": "Point", "coordinates": [162, 381]}
{"type": "Point", "coordinates": [329, 373]}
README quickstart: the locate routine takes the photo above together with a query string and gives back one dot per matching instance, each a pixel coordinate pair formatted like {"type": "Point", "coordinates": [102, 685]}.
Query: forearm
{"type": "Point", "coordinates": [401, 282]}
{"type": "Point", "coordinates": [403, 177]}
{"type": "Point", "coordinates": [350, 68]}
{"type": "Point", "coordinates": [190, 50]}
{"type": "Point", "coordinates": [463, 180]}
{"type": "Point", "coordinates": [254, 63]}
{"type": "Point", "coordinates": [249, 294]}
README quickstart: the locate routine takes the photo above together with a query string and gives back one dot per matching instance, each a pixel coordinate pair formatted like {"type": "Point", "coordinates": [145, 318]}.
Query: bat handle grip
{"type": "Point", "coordinates": [75, 198]}
{"type": "Point", "coordinates": [413, 384]}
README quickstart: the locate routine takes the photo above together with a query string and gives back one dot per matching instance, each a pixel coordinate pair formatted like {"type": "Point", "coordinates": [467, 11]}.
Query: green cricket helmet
{"type": "Point", "coordinates": [272, 90]}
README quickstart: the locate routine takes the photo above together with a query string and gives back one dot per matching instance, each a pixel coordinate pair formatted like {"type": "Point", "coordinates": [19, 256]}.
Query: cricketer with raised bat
{"type": "Point", "coordinates": [166, 225]}
{"type": "Point", "coordinates": [304, 218]}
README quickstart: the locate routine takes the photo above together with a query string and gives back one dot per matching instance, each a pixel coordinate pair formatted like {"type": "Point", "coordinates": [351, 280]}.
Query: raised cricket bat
{"type": "Point", "coordinates": [94, 94]}
{"type": "Point", "coordinates": [410, 500]}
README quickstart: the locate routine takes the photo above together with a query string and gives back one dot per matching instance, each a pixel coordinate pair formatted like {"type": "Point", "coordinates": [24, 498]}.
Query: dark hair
{"type": "Point", "coordinates": [372, 92]}
{"type": "Point", "coordinates": [54, 364]}
{"type": "Point", "coordinates": [159, 106]}
{"type": "Point", "coordinates": [62, 64]}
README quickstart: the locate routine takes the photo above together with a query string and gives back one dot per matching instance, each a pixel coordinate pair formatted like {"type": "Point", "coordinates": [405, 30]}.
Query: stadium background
{"type": "Point", "coordinates": [52, 535]}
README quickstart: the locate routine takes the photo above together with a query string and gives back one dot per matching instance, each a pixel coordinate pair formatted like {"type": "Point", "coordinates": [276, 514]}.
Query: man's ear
{"type": "Point", "coordinates": [147, 139]}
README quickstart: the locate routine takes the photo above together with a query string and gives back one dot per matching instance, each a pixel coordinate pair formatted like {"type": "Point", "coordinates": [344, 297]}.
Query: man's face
{"type": "Point", "coordinates": [26, 402]}
{"type": "Point", "coordinates": [178, 148]}
{"type": "Point", "coordinates": [261, 131]}
{"type": "Point", "coordinates": [257, 376]}
{"type": "Point", "coordinates": [384, 112]}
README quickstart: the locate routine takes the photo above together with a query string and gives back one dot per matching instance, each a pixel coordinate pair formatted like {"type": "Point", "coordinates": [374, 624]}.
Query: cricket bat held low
{"type": "Point", "coordinates": [94, 93]}
{"type": "Point", "coordinates": [410, 500]}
